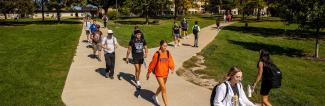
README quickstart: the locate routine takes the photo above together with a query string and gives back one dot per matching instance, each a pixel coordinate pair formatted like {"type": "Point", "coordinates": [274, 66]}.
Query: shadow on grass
{"type": "Point", "coordinates": [274, 49]}
{"type": "Point", "coordinates": [272, 32]}
{"type": "Point", "coordinates": [46, 22]}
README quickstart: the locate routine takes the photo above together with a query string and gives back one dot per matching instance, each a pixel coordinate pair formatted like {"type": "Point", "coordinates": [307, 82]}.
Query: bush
{"type": "Point", "coordinates": [112, 15]}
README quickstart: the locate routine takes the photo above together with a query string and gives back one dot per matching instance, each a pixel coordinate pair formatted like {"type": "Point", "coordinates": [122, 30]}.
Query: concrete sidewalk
{"type": "Point", "coordinates": [87, 87]}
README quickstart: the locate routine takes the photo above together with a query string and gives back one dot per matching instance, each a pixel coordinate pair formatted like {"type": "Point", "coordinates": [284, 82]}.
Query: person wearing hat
{"type": "Point", "coordinates": [109, 44]}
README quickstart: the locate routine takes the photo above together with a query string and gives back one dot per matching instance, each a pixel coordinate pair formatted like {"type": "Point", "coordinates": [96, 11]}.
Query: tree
{"type": "Point", "coordinates": [58, 5]}
{"type": "Point", "coordinates": [22, 7]}
{"type": "Point", "coordinates": [309, 14]}
{"type": "Point", "coordinates": [260, 4]}
{"type": "Point", "coordinates": [6, 6]}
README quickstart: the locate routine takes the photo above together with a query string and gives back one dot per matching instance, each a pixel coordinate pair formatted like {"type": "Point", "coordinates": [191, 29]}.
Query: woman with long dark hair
{"type": "Point", "coordinates": [160, 65]}
{"type": "Point", "coordinates": [261, 74]}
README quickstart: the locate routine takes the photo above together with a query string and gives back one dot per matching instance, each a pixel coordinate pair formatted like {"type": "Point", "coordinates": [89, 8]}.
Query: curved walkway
{"type": "Point", "coordinates": [85, 86]}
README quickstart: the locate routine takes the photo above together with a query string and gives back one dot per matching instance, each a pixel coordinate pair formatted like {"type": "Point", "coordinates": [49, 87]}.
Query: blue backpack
{"type": "Point", "coordinates": [93, 28]}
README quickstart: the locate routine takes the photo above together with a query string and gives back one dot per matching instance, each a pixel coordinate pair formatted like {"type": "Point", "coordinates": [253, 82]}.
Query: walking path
{"type": "Point", "coordinates": [85, 86]}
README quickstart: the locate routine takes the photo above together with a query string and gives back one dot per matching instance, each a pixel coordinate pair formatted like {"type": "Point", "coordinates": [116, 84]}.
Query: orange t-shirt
{"type": "Point", "coordinates": [165, 63]}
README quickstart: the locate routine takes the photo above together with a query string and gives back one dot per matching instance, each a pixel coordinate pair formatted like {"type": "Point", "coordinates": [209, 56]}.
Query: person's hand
{"type": "Point", "coordinates": [126, 60]}
{"type": "Point", "coordinates": [109, 49]}
{"type": "Point", "coordinates": [145, 55]}
{"type": "Point", "coordinates": [148, 76]}
{"type": "Point", "coordinates": [254, 85]}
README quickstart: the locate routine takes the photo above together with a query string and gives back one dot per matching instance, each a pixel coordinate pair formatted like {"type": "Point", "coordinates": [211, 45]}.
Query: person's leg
{"type": "Point", "coordinates": [175, 41]}
{"type": "Point", "coordinates": [112, 64]}
{"type": "Point", "coordinates": [108, 62]}
{"type": "Point", "coordinates": [265, 100]}
{"type": "Point", "coordinates": [195, 40]}
{"type": "Point", "coordinates": [136, 67]}
{"type": "Point", "coordinates": [162, 85]}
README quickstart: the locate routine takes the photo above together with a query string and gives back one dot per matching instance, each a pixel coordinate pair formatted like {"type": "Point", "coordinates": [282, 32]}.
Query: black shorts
{"type": "Point", "coordinates": [137, 61]}
{"type": "Point", "coordinates": [184, 29]}
{"type": "Point", "coordinates": [265, 88]}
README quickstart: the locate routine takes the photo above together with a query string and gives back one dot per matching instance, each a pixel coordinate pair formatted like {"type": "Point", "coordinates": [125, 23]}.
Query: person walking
{"type": "Point", "coordinates": [133, 36]}
{"type": "Point", "coordinates": [93, 29]}
{"type": "Point", "coordinates": [184, 26]}
{"type": "Point", "coordinates": [176, 34]}
{"type": "Point", "coordinates": [269, 79]}
{"type": "Point", "coordinates": [96, 43]}
{"type": "Point", "coordinates": [138, 47]}
{"type": "Point", "coordinates": [87, 24]}
{"type": "Point", "coordinates": [161, 64]}
{"type": "Point", "coordinates": [109, 44]}
{"type": "Point", "coordinates": [196, 29]}
{"type": "Point", "coordinates": [230, 92]}
{"type": "Point", "coordinates": [105, 20]}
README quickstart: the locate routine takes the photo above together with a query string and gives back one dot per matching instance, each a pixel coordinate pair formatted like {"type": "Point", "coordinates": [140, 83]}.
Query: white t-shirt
{"type": "Point", "coordinates": [110, 43]}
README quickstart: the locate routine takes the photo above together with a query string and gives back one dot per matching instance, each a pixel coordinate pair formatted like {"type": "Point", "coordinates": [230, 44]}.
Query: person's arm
{"type": "Point", "coordinates": [153, 63]}
{"type": "Point", "coordinates": [115, 44]}
{"type": "Point", "coordinates": [145, 49]}
{"type": "Point", "coordinates": [259, 74]}
{"type": "Point", "coordinates": [220, 94]}
{"type": "Point", "coordinates": [245, 100]}
{"type": "Point", "coordinates": [128, 52]}
{"type": "Point", "coordinates": [171, 64]}
{"type": "Point", "coordinates": [199, 28]}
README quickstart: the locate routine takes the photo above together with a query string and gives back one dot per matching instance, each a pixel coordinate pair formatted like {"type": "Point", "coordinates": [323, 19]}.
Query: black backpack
{"type": "Point", "coordinates": [213, 94]}
{"type": "Point", "coordinates": [273, 75]}
{"type": "Point", "coordinates": [196, 29]}
{"type": "Point", "coordinates": [154, 69]}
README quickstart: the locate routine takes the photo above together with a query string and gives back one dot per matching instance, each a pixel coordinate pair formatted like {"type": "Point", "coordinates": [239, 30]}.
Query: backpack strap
{"type": "Point", "coordinates": [227, 88]}
{"type": "Point", "coordinates": [157, 62]}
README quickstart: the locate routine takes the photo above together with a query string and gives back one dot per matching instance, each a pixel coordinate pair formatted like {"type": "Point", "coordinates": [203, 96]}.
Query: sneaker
{"type": "Point", "coordinates": [155, 99]}
{"type": "Point", "coordinates": [138, 85]}
{"type": "Point", "coordinates": [106, 75]}
{"type": "Point", "coordinates": [111, 77]}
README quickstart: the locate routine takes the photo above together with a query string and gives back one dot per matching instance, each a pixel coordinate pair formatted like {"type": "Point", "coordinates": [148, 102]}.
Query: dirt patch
{"type": "Point", "coordinates": [193, 71]}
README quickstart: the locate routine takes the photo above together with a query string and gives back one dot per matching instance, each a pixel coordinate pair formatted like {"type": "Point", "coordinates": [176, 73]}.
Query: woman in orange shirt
{"type": "Point", "coordinates": [160, 65]}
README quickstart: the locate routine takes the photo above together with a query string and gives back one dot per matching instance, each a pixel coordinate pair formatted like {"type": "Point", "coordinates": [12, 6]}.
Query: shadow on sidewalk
{"type": "Point", "coordinates": [127, 77]}
{"type": "Point", "coordinates": [101, 71]}
{"type": "Point", "coordinates": [146, 95]}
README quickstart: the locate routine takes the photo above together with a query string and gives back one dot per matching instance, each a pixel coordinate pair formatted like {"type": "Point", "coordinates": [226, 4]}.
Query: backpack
{"type": "Point", "coordinates": [195, 29]}
{"type": "Point", "coordinates": [97, 37]}
{"type": "Point", "coordinates": [154, 69]}
{"type": "Point", "coordinates": [184, 24]}
{"type": "Point", "coordinates": [213, 94]}
{"type": "Point", "coordinates": [273, 75]}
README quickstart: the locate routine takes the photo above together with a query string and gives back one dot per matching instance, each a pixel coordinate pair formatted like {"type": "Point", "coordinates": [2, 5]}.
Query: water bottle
{"type": "Point", "coordinates": [249, 90]}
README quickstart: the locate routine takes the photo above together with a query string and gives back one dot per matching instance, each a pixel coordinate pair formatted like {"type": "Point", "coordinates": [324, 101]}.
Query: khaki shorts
{"type": "Point", "coordinates": [97, 47]}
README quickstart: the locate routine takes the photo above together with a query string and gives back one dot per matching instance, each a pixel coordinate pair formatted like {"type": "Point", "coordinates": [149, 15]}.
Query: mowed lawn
{"type": "Point", "coordinates": [303, 80]}
{"type": "Point", "coordinates": [154, 33]}
{"type": "Point", "coordinates": [34, 61]}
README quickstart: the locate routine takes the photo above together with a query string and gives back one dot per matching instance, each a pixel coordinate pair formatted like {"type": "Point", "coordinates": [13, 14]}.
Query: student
{"type": "Point", "coordinates": [87, 27]}
{"type": "Point", "coordinates": [176, 34]}
{"type": "Point", "coordinates": [96, 43]}
{"type": "Point", "coordinates": [196, 29]}
{"type": "Point", "coordinates": [231, 92]}
{"type": "Point", "coordinates": [160, 65]}
{"type": "Point", "coordinates": [136, 28]}
{"type": "Point", "coordinates": [109, 44]}
{"type": "Point", "coordinates": [105, 19]}
{"type": "Point", "coordinates": [93, 29]}
{"type": "Point", "coordinates": [265, 66]}
{"type": "Point", "coordinates": [184, 26]}
{"type": "Point", "coordinates": [138, 47]}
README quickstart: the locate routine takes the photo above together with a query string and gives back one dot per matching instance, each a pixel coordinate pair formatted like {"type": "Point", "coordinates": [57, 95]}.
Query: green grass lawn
{"type": "Point", "coordinates": [154, 33]}
{"type": "Point", "coordinates": [35, 60]}
{"type": "Point", "coordinates": [303, 80]}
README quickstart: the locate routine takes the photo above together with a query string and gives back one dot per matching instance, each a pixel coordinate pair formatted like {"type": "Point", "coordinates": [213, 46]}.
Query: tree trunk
{"type": "Point", "coordinates": [317, 43]}
{"type": "Point", "coordinates": [5, 15]}
{"type": "Point", "coordinates": [175, 9]}
{"type": "Point", "coordinates": [258, 14]}
{"type": "Point", "coordinates": [42, 10]}
{"type": "Point", "coordinates": [58, 15]}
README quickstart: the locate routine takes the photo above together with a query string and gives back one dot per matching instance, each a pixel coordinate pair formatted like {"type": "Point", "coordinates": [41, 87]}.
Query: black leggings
{"type": "Point", "coordinates": [196, 39]}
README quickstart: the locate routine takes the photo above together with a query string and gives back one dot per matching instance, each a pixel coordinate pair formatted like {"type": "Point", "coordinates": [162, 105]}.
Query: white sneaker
{"type": "Point", "coordinates": [155, 99]}
{"type": "Point", "coordinates": [138, 84]}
